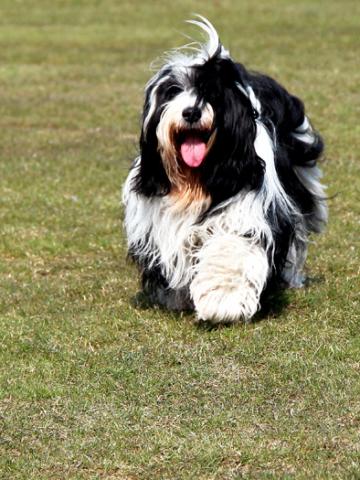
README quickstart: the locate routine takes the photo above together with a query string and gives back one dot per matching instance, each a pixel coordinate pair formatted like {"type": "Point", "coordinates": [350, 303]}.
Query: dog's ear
{"type": "Point", "coordinates": [151, 179]}
{"type": "Point", "coordinates": [232, 164]}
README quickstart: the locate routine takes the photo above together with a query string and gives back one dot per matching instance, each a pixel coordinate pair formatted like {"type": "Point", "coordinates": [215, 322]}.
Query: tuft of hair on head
{"type": "Point", "coordinates": [213, 46]}
{"type": "Point", "coordinates": [196, 51]}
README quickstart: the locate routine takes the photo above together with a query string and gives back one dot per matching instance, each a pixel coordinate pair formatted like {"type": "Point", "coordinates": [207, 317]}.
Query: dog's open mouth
{"type": "Point", "coordinates": [193, 145]}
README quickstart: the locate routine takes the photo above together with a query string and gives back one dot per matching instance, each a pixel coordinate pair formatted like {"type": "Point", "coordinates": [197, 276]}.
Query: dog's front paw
{"type": "Point", "coordinates": [223, 304]}
{"type": "Point", "coordinates": [231, 274]}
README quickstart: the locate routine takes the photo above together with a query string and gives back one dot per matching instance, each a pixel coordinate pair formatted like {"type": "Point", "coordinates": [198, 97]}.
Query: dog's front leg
{"type": "Point", "coordinates": [231, 273]}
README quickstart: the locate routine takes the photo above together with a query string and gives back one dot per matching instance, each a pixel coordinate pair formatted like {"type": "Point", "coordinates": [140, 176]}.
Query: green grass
{"type": "Point", "coordinates": [92, 388]}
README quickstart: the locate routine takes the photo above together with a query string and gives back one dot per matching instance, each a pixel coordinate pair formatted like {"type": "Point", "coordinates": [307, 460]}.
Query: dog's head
{"type": "Point", "coordinates": [199, 126]}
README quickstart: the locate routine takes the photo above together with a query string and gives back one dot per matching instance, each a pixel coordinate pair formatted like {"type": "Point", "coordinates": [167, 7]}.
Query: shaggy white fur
{"type": "Point", "coordinates": [227, 287]}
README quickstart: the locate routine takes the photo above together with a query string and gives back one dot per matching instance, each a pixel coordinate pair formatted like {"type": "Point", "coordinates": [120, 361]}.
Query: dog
{"type": "Point", "coordinates": [225, 192]}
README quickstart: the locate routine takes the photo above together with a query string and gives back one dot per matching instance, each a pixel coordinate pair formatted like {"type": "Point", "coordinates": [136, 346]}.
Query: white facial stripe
{"type": "Point", "coordinates": [172, 121]}
{"type": "Point", "coordinates": [152, 101]}
{"type": "Point", "coordinates": [172, 116]}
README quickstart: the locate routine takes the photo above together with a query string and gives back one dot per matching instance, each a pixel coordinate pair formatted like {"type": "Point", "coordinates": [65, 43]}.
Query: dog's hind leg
{"type": "Point", "coordinates": [292, 274]}
{"type": "Point", "coordinates": [231, 274]}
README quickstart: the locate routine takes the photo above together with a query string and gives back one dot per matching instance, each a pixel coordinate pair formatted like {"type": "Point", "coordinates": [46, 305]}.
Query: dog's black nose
{"type": "Point", "coordinates": [191, 114]}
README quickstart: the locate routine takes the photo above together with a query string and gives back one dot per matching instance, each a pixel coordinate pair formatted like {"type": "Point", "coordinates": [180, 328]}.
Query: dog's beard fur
{"type": "Point", "coordinates": [211, 236]}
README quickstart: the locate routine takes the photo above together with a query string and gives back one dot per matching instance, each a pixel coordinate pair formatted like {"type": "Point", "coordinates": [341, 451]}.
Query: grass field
{"type": "Point", "coordinates": [92, 388]}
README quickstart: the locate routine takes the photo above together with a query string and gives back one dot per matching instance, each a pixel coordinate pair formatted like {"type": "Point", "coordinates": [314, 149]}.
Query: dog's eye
{"type": "Point", "coordinates": [255, 114]}
{"type": "Point", "coordinates": [172, 91]}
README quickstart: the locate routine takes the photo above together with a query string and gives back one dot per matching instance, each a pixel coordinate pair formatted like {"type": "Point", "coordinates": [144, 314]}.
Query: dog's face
{"type": "Point", "coordinates": [198, 130]}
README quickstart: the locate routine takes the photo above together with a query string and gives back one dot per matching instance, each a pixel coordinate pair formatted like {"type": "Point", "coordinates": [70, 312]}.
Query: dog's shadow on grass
{"type": "Point", "coordinates": [274, 300]}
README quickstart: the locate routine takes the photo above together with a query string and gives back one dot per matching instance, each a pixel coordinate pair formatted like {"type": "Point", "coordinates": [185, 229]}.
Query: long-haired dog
{"type": "Point", "coordinates": [225, 191]}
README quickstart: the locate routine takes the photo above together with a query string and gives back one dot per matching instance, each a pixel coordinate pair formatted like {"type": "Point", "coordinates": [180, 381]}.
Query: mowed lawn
{"type": "Point", "coordinates": [90, 386]}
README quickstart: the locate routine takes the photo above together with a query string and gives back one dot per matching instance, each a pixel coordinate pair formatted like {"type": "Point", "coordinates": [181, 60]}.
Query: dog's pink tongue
{"type": "Point", "coordinates": [193, 151]}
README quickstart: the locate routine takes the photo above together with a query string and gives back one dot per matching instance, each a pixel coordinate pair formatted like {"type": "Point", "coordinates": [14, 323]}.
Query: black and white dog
{"type": "Point", "coordinates": [225, 191]}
